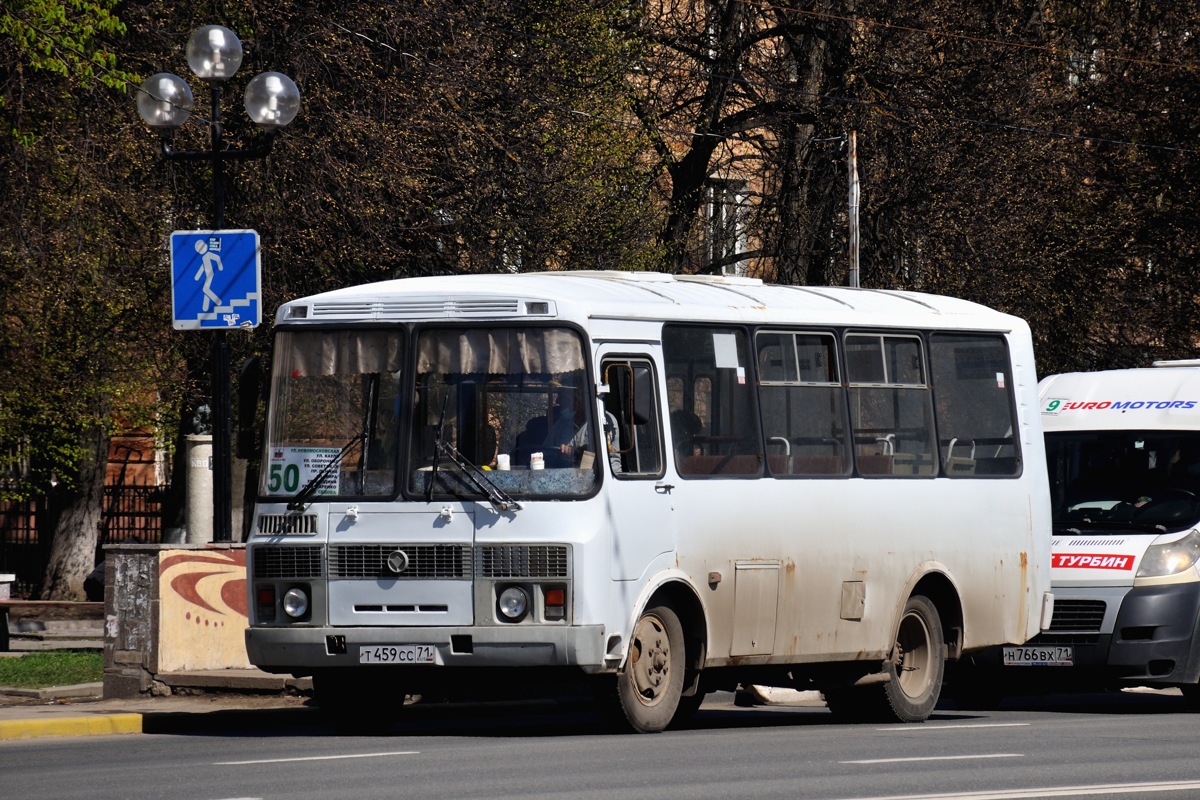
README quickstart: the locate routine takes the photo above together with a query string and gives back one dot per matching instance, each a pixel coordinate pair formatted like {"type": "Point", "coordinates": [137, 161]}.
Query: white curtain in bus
{"type": "Point", "coordinates": [343, 353]}
{"type": "Point", "coordinates": [499, 351]}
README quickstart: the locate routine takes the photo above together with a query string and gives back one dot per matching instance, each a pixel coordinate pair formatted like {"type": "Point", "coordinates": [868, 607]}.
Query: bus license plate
{"type": "Point", "coordinates": [1032, 656]}
{"type": "Point", "coordinates": [397, 654]}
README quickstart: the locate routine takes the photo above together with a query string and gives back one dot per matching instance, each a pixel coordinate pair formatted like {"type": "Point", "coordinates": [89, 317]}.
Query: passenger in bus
{"type": "Point", "coordinates": [530, 440]}
{"type": "Point", "coordinates": [568, 435]}
{"type": "Point", "coordinates": [685, 426]}
{"type": "Point", "coordinates": [612, 439]}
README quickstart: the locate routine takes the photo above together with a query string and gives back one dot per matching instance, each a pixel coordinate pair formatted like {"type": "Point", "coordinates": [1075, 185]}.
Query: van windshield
{"type": "Point", "coordinates": [1135, 479]}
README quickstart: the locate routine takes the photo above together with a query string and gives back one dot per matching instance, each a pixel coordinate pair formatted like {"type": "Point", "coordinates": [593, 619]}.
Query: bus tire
{"type": "Point", "coordinates": [919, 662]}
{"type": "Point", "coordinates": [650, 685]}
{"type": "Point", "coordinates": [687, 708]}
{"type": "Point", "coordinates": [915, 673]}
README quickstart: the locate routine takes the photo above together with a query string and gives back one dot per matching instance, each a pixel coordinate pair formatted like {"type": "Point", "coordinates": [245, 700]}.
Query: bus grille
{"type": "Point", "coordinates": [423, 561]}
{"type": "Point", "coordinates": [284, 524]}
{"type": "Point", "coordinates": [521, 561]}
{"type": "Point", "coordinates": [274, 563]}
{"type": "Point", "coordinates": [1072, 616]}
{"type": "Point", "coordinates": [419, 308]}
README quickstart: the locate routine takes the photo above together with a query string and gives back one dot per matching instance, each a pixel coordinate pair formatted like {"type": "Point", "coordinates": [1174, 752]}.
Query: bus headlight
{"type": "Point", "coordinates": [513, 604]}
{"type": "Point", "coordinates": [1170, 558]}
{"type": "Point", "coordinates": [295, 602]}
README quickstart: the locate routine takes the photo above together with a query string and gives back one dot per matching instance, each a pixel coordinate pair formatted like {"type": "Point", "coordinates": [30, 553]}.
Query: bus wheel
{"type": "Point", "coordinates": [915, 671]}
{"type": "Point", "coordinates": [918, 663]}
{"type": "Point", "coordinates": [649, 687]}
{"type": "Point", "coordinates": [687, 708]}
{"type": "Point", "coordinates": [354, 703]}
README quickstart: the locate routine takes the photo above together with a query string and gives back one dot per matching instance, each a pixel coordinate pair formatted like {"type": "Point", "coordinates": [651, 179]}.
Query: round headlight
{"type": "Point", "coordinates": [514, 602]}
{"type": "Point", "coordinates": [295, 602]}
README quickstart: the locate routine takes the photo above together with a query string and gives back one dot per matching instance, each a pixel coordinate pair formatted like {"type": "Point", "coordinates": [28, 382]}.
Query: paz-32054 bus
{"type": "Point", "coordinates": [656, 485]}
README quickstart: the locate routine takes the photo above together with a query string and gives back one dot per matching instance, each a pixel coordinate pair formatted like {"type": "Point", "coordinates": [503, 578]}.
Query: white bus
{"type": "Point", "coordinates": [1124, 463]}
{"type": "Point", "coordinates": [658, 485]}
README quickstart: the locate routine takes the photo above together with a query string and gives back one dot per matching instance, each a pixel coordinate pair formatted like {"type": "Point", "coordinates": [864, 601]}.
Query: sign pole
{"type": "Point", "coordinates": [221, 392]}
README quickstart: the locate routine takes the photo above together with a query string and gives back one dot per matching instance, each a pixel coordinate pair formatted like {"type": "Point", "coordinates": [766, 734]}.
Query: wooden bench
{"type": "Point", "coordinates": [78, 610]}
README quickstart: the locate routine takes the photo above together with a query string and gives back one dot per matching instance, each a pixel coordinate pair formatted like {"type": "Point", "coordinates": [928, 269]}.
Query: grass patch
{"type": "Point", "coordinates": [52, 668]}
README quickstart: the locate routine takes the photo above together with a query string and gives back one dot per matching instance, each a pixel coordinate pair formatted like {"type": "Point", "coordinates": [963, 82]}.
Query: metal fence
{"type": "Point", "coordinates": [131, 514]}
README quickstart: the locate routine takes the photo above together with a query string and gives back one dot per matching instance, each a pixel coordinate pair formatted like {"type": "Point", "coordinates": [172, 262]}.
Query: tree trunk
{"type": "Point", "coordinates": [73, 552]}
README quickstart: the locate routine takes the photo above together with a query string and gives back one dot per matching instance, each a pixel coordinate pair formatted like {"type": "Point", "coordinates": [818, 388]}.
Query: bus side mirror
{"type": "Point", "coordinates": [249, 390]}
{"type": "Point", "coordinates": [643, 395]}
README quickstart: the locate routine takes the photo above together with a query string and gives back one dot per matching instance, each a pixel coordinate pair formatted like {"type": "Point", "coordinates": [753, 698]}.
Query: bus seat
{"type": "Point", "coordinates": [960, 465]}
{"type": "Point", "coordinates": [809, 465]}
{"type": "Point", "coordinates": [874, 464]}
{"type": "Point", "coordinates": [719, 465]}
{"type": "Point", "coordinates": [780, 465]}
{"type": "Point", "coordinates": [911, 464]}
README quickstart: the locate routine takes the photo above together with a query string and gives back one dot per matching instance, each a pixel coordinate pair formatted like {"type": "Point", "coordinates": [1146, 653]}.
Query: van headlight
{"type": "Point", "coordinates": [1170, 558]}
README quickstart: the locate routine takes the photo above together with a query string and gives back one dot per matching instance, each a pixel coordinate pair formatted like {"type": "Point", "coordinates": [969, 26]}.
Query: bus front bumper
{"type": "Point", "coordinates": [300, 650]}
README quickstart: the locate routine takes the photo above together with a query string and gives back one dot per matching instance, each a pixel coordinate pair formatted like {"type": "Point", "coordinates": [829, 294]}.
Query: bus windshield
{"type": "Point", "coordinates": [514, 402]}
{"type": "Point", "coordinates": [334, 412]}
{"type": "Point", "coordinates": [1123, 478]}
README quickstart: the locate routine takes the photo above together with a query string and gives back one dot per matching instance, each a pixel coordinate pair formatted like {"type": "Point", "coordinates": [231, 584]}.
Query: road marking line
{"type": "Point", "coordinates": [1051, 791]}
{"type": "Point", "coordinates": [931, 758]}
{"type": "Point", "coordinates": [920, 728]}
{"type": "Point", "coordinates": [315, 758]}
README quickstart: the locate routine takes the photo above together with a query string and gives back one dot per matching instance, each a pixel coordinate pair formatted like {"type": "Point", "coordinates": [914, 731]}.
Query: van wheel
{"type": "Point", "coordinates": [915, 670]}
{"type": "Point", "coordinates": [649, 687]}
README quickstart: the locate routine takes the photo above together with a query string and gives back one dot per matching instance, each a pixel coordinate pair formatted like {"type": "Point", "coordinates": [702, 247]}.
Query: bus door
{"type": "Point", "coordinates": [638, 497]}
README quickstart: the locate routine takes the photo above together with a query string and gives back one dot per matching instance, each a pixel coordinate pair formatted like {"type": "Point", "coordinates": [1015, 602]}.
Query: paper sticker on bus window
{"type": "Point", "coordinates": [290, 468]}
{"type": "Point", "coordinates": [999, 380]}
{"type": "Point", "coordinates": [725, 350]}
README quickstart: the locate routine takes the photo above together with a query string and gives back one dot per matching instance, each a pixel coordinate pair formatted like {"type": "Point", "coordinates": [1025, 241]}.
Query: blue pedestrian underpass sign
{"type": "Point", "coordinates": [216, 279]}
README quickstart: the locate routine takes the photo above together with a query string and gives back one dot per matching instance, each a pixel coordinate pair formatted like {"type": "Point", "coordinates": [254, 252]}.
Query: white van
{"type": "Point", "coordinates": [1123, 451]}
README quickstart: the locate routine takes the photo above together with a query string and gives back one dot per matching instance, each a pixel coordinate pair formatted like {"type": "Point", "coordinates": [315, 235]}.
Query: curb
{"type": "Point", "coordinates": [159, 722]}
{"type": "Point", "coordinates": [73, 691]}
{"type": "Point", "coordinates": [97, 725]}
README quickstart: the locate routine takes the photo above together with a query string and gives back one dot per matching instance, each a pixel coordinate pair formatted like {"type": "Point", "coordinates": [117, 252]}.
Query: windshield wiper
{"type": "Point", "coordinates": [499, 499]}
{"type": "Point", "coordinates": [437, 451]}
{"type": "Point", "coordinates": [310, 488]}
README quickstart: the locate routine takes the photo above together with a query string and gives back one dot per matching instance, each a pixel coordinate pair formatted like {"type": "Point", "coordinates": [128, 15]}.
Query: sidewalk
{"type": "Point", "coordinates": [199, 700]}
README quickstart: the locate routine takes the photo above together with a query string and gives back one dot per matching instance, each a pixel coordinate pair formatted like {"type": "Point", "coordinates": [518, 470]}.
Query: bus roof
{"type": "Point", "coordinates": [1153, 398]}
{"type": "Point", "coordinates": [583, 295]}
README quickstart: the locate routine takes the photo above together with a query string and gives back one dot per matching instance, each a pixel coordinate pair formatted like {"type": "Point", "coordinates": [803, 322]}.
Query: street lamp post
{"type": "Point", "coordinates": [165, 102]}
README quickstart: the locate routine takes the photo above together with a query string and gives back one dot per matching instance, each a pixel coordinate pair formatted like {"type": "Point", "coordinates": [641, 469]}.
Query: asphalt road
{"type": "Point", "coordinates": [1113, 746]}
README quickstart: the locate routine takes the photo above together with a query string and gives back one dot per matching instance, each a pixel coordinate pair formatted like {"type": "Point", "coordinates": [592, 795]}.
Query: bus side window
{"type": "Point", "coordinates": [632, 421]}
{"type": "Point", "coordinates": [714, 362]}
{"type": "Point", "coordinates": [972, 385]}
{"type": "Point", "coordinates": [891, 409]}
